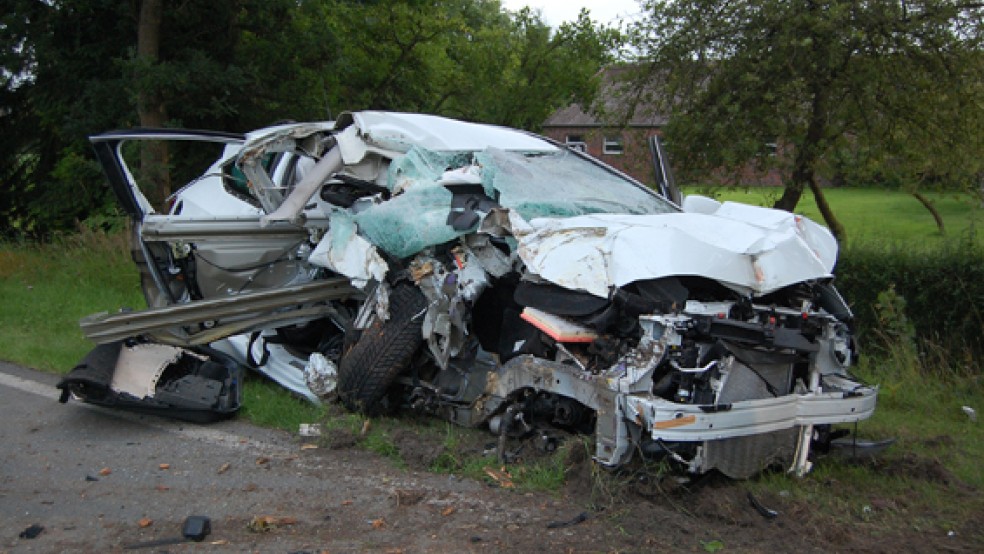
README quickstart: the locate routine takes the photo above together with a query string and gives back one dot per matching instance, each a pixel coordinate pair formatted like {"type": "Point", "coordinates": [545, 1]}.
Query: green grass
{"type": "Point", "coordinates": [928, 480]}
{"type": "Point", "coordinates": [464, 454]}
{"type": "Point", "coordinates": [266, 403]}
{"type": "Point", "coordinates": [873, 215]}
{"type": "Point", "coordinates": [46, 289]}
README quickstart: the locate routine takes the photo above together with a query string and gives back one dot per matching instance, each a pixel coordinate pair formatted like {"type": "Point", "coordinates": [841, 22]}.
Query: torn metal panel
{"type": "Point", "coordinates": [344, 251]}
{"type": "Point", "coordinates": [596, 252]}
{"type": "Point", "coordinates": [493, 260]}
{"type": "Point", "coordinates": [450, 290]}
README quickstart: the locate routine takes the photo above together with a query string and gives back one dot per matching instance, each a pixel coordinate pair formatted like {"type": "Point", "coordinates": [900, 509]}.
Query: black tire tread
{"type": "Point", "coordinates": [382, 352]}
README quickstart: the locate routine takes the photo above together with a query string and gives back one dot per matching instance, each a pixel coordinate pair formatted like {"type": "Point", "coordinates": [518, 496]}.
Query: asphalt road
{"type": "Point", "coordinates": [89, 475]}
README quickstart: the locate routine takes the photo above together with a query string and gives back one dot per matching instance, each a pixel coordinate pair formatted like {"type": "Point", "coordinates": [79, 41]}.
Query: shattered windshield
{"type": "Point", "coordinates": [562, 184]}
{"type": "Point", "coordinates": [554, 184]}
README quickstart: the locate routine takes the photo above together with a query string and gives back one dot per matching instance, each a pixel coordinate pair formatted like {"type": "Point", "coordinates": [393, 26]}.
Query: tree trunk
{"type": "Point", "coordinates": [932, 209]}
{"type": "Point", "coordinates": [154, 160]}
{"type": "Point", "coordinates": [832, 222]}
{"type": "Point", "coordinates": [791, 194]}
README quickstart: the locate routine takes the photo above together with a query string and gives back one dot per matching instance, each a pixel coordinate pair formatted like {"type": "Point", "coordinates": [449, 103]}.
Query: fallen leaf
{"type": "Point", "coordinates": [500, 476]}
{"type": "Point", "coordinates": [408, 497]}
{"type": "Point", "coordinates": [250, 487]}
{"type": "Point", "coordinates": [145, 522]}
{"type": "Point", "coordinates": [224, 468]}
{"type": "Point", "coordinates": [309, 447]}
{"type": "Point", "coordinates": [165, 466]}
{"type": "Point", "coordinates": [258, 525]}
{"type": "Point", "coordinates": [219, 542]}
{"type": "Point", "coordinates": [378, 523]}
{"type": "Point", "coordinates": [105, 471]}
{"type": "Point", "coordinates": [447, 511]}
{"type": "Point", "coordinates": [262, 460]}
{"type": "Point", "coordinates": [162, 488]}
{"type": "Point", "coordinates": [261, 524]}
{"type": "Point", "coordinates": [346, 502]}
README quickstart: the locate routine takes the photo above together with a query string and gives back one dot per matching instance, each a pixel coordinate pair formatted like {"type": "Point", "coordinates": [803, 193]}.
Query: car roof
{"type": "Point", "coordinates": [398, 131]}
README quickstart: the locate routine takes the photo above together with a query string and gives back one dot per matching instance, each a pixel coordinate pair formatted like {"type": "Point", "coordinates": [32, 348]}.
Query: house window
{"type": "Point", "coordinates": [576, 142]}
{"type": "Point", "coordinates": [613, 145]}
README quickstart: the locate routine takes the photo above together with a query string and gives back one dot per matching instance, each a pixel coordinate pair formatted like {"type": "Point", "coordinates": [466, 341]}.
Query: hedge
{"type": "Point", "coordinates": [943, 289]}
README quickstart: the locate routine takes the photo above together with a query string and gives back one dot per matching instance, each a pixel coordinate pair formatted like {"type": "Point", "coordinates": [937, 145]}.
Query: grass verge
{"type": "Point", "coordinates": [47, 288]}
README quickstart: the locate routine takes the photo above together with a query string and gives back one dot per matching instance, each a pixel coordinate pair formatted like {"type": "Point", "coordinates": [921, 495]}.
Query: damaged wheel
{"type": "Point", "coordinates": [383, 350]}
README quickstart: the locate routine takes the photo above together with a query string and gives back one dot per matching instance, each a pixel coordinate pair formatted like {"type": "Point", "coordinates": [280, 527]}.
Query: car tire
{"type": "Point", "coordinates": [382, 352]}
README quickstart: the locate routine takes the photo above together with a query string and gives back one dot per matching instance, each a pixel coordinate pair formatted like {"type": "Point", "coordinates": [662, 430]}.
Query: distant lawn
{"type": "Point", "coordinates": [873, 215]}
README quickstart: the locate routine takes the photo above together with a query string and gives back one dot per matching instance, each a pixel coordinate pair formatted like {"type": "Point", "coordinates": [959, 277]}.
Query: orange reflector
{"type": "Point", "coordinates": [678, 422]}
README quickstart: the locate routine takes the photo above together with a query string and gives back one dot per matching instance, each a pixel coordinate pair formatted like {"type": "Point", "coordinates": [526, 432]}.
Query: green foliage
{"type": "Point", "coordinates": [848, 90]}
{"type": "Point", "coordinates": [471, 60]}
{"type": "Point", "coordinates": [938, 293]}
{"type": "Point", "coordinates": [71, 70]}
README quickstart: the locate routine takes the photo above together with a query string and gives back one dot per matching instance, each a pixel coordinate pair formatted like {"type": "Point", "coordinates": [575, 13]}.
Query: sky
{"type": "Point", "coordinates": [556, 12]}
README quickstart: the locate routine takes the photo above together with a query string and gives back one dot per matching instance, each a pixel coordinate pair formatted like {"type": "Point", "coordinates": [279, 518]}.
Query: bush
{"type": "Point", "coordinates": [941, 292]}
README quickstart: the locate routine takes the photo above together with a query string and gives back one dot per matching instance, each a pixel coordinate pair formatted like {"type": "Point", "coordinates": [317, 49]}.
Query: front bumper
{"type": "Point", "coordinates": [838, 401]}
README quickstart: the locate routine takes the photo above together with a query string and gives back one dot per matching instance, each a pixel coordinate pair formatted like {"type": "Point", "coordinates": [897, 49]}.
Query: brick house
{"type": "Point", "coordinates": [626, 145]}
{"type": "Point", "coordinates": [622, 145]}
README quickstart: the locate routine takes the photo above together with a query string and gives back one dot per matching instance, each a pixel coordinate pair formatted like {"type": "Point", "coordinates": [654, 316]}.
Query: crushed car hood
{"type": "Point", "coordinates": [749, 249]}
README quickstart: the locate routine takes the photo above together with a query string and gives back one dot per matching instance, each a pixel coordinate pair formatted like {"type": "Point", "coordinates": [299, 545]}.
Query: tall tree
{"type": "Point", "coordinates": [150, 104]}
{"type": "Point", "coordinates": [463, 58]}
{"type": "Point", "coordinates": [61, 88]}
{"type": "Point", "coordinates": [518, 70]}
{"type": "Point", "coordinates": [73, 68]}
{"type": "Point", "coordinates": [869, 81]}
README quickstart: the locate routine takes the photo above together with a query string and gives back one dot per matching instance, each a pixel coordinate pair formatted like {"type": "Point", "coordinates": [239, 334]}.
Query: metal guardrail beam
{"type": "Point", "coordinates": [233, 314]}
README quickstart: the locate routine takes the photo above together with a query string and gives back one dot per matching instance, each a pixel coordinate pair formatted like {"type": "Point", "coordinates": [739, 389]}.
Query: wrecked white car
{"type": "Point", "coordinates": [496, 278]}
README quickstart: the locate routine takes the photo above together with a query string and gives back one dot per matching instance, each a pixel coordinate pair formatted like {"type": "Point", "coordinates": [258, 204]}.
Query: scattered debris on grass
{"type": "Point", "coordinates": [309, 430]}
{"type": "Point", "coordinates": [767, 513]}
